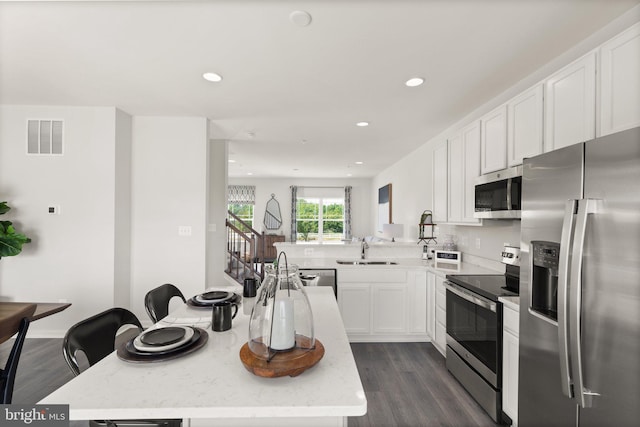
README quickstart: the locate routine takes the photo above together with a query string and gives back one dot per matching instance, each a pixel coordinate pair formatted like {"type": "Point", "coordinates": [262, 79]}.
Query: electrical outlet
{"type": "Point", "coordinates": [53, 209]}
{"type": "Point", "coordinates": [477, 243]}
{"type": "Point", "coordinates": [184, 230]}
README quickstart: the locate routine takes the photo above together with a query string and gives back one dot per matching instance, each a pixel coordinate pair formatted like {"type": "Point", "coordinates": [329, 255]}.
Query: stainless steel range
{"type": "Point", "coordinates": [474, 330]}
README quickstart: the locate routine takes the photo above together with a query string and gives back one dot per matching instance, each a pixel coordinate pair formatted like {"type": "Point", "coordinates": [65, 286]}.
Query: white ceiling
{"type": "Point", "coordinates": [285, 84]}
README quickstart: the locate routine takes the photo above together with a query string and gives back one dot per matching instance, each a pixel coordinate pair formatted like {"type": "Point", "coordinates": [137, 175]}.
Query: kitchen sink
{"type": "Point", "coordinates": [365, 262]}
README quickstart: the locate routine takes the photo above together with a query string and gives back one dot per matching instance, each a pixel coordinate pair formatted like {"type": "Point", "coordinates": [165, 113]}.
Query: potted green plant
{"type": "Point", "coordinates": [10, 241]}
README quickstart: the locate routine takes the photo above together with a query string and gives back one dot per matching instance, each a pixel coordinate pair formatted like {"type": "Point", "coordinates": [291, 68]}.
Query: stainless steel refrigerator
{"type": "Point", "coordinates": [580, 285]}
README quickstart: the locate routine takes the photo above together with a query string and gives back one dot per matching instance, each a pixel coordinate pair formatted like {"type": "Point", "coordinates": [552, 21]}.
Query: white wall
{"type": "Point", "coordinates": [122, 211]}
{"type": "Point", "coordinates": [410, 180]}
{"type": "Point", "coordinates": [217, 191]}
{"type": "Point", "coordinates": [169, 189]}
{"type": "Point", "coordinates": [71, 256]}
{"type": "Point", "coordinates": [280, 187]}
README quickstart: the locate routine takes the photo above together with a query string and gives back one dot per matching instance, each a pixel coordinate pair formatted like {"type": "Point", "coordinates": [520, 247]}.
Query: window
{"type": "Point", "coordinates": [320, 219]}
{"type": "Point", "coordinates": [242, 211]}
{"type": "Point", "coordinates": [241, 200]}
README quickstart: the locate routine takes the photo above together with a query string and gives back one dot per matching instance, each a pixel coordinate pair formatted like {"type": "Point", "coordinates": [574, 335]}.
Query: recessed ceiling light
{"type": "Point", "coordinates": [362, 124]}
{"type": "Point", "coordinates": [349, 174]}
{"type": "Point", "coordinates": [212, 77]}
{"type": "Point", "coordinates": [416, 81]}
{"type": "Point", "coordinates": [249, 173]}
{"type": "Point", "coordinates": [359, 163]}
{"type": "Point", "coordinates": [231, 161]}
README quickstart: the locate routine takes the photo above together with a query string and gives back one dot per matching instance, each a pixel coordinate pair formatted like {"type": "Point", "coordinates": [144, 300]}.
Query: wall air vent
{"type": "Point", "coordinates": [44, 137]}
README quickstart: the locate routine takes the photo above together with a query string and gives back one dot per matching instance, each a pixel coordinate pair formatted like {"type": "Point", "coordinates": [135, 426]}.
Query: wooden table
{"type": "Point", "coordinates": [12, 315]}
{"type": "Point", "coordinates": [211, 387]}
{"type": "Point", "coordinates": [12, 312]}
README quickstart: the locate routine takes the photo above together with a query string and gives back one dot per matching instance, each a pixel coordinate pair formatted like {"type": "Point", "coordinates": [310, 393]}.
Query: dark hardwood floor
{"type": "Point", "coordinates": [406, 384]}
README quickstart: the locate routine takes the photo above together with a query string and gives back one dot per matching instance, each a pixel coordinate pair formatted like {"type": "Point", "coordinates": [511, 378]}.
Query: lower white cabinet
{"type": "Point", "coordinates": [440, 340]}
{"type": "Point", "coordinates": [383, 304]}
{"type": "Point", "coordinates": [431, 305]}
{"type": "Point", "coordinates": [355, 308]}
{"type": "Point", "coordinates": [510, 357]}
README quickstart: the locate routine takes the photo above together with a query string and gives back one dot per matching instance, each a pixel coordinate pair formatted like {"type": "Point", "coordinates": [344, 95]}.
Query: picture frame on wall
{"type": "Point", "coordinates": [384, 206]}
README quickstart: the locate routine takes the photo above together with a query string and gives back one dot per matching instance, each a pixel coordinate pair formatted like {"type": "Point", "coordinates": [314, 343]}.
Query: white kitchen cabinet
{"type": "Point", "coordinates": [431, 305]}
{"type": "Point", "coordinates": [417, 297]}
{"type": "Point", "coordinates": [569, 104]}
{"type": "Point", "coordinates": [379, 304]}
{"type": "Point", "coordinates": [439, 183]}
{"type": "Point", "coordinates": [389, 308]}
{"type": "Point", "coordinates": [464, 168]}
{"type": "Point", "coordinates": [493, 151]}
{"type": "Point", "coordinates": [354, 301]}
{"type": "Point", "coordinates": [510, 360]}
{"type": "Point", "coordinates": [620, 82]}
{"type": "Point", "coordinates": [440, 341]}
{"type": "Point", "coordinates": [525, 125]}
{"type": "Point", "coordinates": [455, 176]}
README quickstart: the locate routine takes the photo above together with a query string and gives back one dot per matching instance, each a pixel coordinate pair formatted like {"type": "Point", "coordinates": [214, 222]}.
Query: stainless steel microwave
{"type": "Point", "coordinates": [499, 194]}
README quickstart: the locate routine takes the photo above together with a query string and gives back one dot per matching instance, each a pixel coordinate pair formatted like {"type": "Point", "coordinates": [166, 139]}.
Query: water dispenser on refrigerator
{"type": "Point", "coordinates": [544, 280]}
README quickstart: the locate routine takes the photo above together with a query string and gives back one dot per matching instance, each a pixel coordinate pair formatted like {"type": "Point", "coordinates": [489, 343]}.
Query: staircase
{"type": "Point", "coordinates": [245, 249]}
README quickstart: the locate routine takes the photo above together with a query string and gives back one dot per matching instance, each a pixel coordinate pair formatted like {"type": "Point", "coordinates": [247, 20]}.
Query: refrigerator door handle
{"type": "Point", "coordinates": [563, 308]}
{"type": "Point", "coordinates": [582, 395]}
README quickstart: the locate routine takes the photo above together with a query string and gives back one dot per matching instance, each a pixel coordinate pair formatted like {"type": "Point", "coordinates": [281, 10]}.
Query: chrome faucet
{"type": "Point", "coordinates": [364, 246]}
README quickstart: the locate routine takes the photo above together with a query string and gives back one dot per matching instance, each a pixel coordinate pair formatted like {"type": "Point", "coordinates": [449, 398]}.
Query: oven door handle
{"type": "Point", "coordinates": [471, 297]}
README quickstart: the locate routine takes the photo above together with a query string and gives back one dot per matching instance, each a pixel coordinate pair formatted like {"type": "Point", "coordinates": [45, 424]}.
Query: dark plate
{"type": "Point", "coordinates": [124, 353]}
{"type": "Point", "coordinates": [215, 295]}
{"type": "Point", "coordinates": [162, 336]}
{"type": "Point", "coordinates": [130, 348]}
{"type": "Point", "coordinates": [235, 299]}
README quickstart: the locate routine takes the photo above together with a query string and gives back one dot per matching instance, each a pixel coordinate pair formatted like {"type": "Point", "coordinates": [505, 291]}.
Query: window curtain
{"type": "Point", "coordinates": [241, 194]}
{"type": "Point", "coordinates": [294, 213]}
{"type": "Point", "coordinates": [347, 212]}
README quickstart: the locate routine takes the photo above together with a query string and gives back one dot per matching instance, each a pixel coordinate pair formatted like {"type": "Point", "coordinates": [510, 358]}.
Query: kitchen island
{"type": "Point", "coordinates": [211, 386]}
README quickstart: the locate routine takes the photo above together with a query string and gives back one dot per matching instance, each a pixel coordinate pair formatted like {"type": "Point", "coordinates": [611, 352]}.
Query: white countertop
{"type": "Point", "coordinates": [213, 383]}
{"type": "Point", "coordinates": [320, 263]}
{"type": "Point", "coordinates": [511, 302]}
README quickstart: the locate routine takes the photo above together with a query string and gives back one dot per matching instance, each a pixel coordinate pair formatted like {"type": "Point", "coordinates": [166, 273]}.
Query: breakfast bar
{"type": "Point", "coordinates": [212, 387]}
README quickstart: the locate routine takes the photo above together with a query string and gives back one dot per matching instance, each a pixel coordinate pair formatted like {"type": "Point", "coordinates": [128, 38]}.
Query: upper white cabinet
{"type": "Point", "coordinates": [455, 174]}
{"type": "Point", "coordinates": [440, 182]}
{"type": "Point", "coordinates": [464, 168]}
{"type": "Point", "coordinates": [524, 129]}
{"type": "Point", "coordinates": [494, 140]}
{"type": "Point", "coordinates": [570, 102]}
{"type": "Point", "coordinates": [620, 82]}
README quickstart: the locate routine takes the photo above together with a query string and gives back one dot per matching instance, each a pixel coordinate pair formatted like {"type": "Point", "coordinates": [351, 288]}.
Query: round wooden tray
{"type": "Point", "coordinates": [291, 363]}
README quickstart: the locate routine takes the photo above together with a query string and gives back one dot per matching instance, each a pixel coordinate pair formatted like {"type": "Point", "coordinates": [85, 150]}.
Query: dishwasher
{"type": "Point", "coordinates": [319, 277]}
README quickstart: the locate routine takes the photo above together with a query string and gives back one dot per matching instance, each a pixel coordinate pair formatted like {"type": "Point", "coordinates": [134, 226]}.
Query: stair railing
{"type": "Point", "coordinates": [243, 246]}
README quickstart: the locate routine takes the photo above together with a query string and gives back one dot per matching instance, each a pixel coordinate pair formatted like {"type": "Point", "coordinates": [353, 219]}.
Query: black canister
{"type": "Point", "coordinates": [250, 287]}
